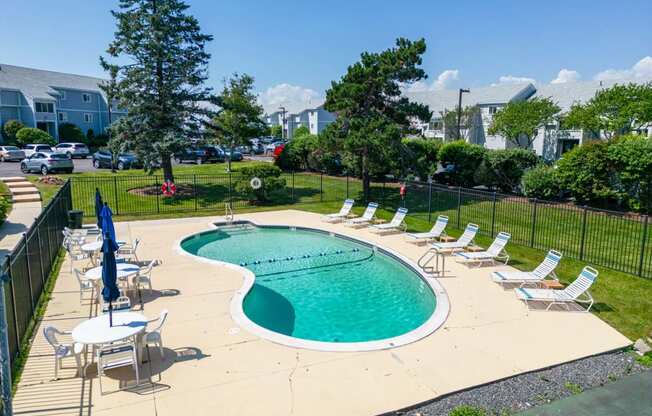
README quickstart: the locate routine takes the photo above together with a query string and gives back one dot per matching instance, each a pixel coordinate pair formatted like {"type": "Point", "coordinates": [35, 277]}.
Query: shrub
{"type": "Point", "coordinates": [630, 159]}
{"type": "Point", "coordinates": [584, 173]}
{"type": "Point", "coordinates": [300, 131]}
{"type": "Point", "coordinates": [465, 159]}
{"type": "Point", "coordinates": [467, 411]}
{"type": "Point", "coordinates": [541, 182]}
{"type": "Point", "coordinates": [69, 132]}
{"type": "Point", "coordinates": [10, 130]}
{"type": "Point", "coordinates": [269, 175]}
{"type": "Point", "coordinates": [503, 169]}
{"type": "Point", "coordinates": [4, 208]}
{"type": "Point", "coordinates": [422, 155]}
{"type": "Point", "coordinates": [28, 135]}
{"type": "Point", "coordinates": [98, 141]}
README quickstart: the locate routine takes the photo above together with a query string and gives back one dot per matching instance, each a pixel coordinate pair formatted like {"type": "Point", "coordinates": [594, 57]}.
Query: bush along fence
{"type": "Point", "coordinates": [617, 240]}
{"type": "Point", "coordinates": [25, 272]}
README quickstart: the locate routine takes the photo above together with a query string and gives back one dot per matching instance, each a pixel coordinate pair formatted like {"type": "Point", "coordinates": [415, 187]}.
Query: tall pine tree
{"type": "Point", "coordinates": [160, 78]}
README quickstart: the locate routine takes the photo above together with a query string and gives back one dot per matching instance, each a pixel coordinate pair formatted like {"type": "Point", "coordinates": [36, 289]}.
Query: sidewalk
{"type": "Point", "coordinates": [631, 396]}
{"type": "Point", "coordinates": [26, 207]}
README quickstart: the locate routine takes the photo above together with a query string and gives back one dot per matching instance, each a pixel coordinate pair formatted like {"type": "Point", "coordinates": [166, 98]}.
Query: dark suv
{"type": "Point", "coordinates": [199, 155]}
{"type": "Point", "coordinates": [103, 159]}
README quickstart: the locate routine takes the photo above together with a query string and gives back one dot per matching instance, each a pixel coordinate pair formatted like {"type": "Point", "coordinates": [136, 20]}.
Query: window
{"type": "Point", "coordinates": [63, 117]}
{"type": "Point", "coordinates": [88, 118]}
{"type": "Point", "coordinates": [86, 97]}
{"type": "Point", "coordinates": [62, 95]}
{"type": "Point", "coordinates": [493, 110]}
{"type": "Point", "coordinates": [44, 107]}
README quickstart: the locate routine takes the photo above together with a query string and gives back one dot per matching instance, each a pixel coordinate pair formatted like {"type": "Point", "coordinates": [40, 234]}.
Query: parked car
{"type": "Point", "coordinates": [30, 149]}
{"type": "Point", "coordinates": [104, 159]}
{"type": "Point", "coordinates": [11, 153]}
{"type": "Point", "coordinates": [199, 155]}
{"type": "Point", "coordinates": [271, 148]}
{"type": "Point", "coordinates": [47, 162]}
{"type": "Point", "coordinates": [73, 150]}
{"type": "Point", "coordinates": [227, 154]}
{"type": "Point", "coordinates": [257, 147]}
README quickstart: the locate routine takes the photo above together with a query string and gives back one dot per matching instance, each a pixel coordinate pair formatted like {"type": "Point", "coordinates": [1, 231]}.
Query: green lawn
{"type": "Point", "coordinates": [623, 300]}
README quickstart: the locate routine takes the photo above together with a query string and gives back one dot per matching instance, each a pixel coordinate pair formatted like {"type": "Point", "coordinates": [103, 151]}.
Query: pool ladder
{"type": "Point", "coordinates": [425, 261]}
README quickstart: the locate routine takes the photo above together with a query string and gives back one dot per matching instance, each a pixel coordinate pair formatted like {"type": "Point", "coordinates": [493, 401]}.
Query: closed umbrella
{"type": "Point", "coordinates": [98, 207]}
{"type": "Point", "coordinates": [110, 292]}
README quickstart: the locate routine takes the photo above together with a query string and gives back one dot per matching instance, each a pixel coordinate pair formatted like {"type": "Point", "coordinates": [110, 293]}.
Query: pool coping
{"type": "Point", "coordinates": [434, 322]}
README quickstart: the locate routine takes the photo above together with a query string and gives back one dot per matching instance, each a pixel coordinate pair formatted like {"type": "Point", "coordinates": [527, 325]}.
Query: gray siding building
{"type": "Point", "coordinates": [315, 119]}
{"type": "Point", "coordinates": [45, 99]}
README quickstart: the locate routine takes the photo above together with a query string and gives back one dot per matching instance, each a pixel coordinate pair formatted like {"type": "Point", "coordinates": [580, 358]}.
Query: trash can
{"type": "Point", "coordinates": [75, 218]}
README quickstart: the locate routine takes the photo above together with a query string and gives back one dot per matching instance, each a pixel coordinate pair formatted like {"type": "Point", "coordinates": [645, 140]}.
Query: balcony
{"type": "Point", "coordinates": [567, 134]}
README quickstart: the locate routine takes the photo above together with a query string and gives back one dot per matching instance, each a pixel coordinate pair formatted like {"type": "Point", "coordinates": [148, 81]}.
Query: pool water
{"type": "Point", "coordinates": [316, 286]}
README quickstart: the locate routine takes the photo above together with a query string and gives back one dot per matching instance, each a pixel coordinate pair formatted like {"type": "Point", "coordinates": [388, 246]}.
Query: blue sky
{"type": "Point", "coordinates": [295, 48]}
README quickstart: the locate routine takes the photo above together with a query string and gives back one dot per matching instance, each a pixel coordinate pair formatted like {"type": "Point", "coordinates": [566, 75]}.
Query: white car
{"type": "Point", "coordinates": [73, 150]}
{"type": "Point", "coordinates": [30, 149]}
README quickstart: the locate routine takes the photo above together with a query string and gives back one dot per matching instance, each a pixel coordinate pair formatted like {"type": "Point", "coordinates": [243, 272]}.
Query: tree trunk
{"type": "Point", "coordinates": [366, 180]}
{"type": "Point", "coordinates": [166, 164]}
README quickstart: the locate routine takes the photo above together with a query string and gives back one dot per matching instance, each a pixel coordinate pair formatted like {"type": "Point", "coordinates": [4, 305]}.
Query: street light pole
{"type": "Point", "coordinates": [282, 121]}
{"type": "Point", "coordinates": [459, 113]}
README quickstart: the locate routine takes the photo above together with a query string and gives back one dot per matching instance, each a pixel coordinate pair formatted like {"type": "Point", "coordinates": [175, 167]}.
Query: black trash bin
{"type": "Point", "coordinates": [75, 219]}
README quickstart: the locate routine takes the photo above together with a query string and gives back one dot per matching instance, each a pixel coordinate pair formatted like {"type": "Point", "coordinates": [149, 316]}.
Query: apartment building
{"type": "Point", "coordinates": [315, 119]}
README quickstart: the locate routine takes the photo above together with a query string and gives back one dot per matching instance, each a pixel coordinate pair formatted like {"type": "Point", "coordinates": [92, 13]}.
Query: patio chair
{"type": "Point", "coordinates": [543, 270]}
{"type": "Point", "coordinates": [396, 224]}
{"type": "Point", "coordinates": [576, 292]}
{"type": "Point", "coordinates": [496, 251]}
{"type": "Point", "coordinates": [76, 254]}
{"type": "Point", "coordinates": [129, 250]}
{"type": "Point", "coordinates": [340, 216]}
{"type": "Point", "coordinates": [121, 304]}
{"type": "Point", "coordinates": [85, 285]}
{"type": "Point", "coordinates": [154, 336]}
{"type": "Point", "coordinates": [464, 241]}
{"type": "Point", "coordinates": [115, 356]}
{"type": "Point", "coordinates": [366, 217]}
{"type": "Point", "coordinates": [437, 231]}
{"type": "Point", "coordinates": [61, 350]}
{"type": "Point", "coordinates": [144, 277]}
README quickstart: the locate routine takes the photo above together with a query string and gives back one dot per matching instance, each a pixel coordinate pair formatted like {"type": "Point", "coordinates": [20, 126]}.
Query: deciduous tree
{"type": "Point", "coordinates": [521, 119]}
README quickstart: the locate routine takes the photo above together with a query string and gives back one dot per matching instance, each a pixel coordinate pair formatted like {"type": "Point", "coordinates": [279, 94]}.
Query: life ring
{"type": "Point", "coordinates": [168, 188]}
{"type": "Point", "coordinates": [255, 183]}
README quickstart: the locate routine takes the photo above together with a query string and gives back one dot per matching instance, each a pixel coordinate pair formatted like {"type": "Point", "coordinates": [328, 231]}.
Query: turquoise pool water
{"type": "Point", "coordinates": [320, 287]}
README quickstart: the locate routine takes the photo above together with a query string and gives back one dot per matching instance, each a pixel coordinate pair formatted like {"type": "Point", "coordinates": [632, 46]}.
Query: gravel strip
{"type": "Point", "coordinates": [533, 389]}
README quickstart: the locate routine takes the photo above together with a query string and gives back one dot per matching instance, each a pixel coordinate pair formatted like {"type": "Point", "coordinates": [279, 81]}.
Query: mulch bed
{"type": "Point", "coordinates": [182, 191]}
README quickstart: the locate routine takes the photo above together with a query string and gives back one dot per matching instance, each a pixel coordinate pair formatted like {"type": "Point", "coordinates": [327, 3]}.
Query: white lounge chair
{"type": "Point", "coordinates": [578, 291]}
{"type": "Point", "coordinates": [396, 224]}
{"type": "Point", "coordinates": [496, 251]}
{"type": "Point", "coordinates": [340, 216]}
{"type": "Point", "coordinates": [465, 239]}
{"type": "Point", "coordinates": [437, 231]}
{"type": "Point", "coordinates": [543, 270]}
{"type": "Point", "coordinates": [366, 217]}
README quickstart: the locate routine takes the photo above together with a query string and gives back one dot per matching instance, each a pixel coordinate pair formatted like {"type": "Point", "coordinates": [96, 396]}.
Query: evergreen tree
{"type": "Point", "coordinates": [160, 83]}
{"type": "Point", "coordinates": [372, 114]}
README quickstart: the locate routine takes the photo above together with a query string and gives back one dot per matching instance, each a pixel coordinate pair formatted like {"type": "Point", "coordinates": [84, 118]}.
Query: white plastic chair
{"type": "Point", "coordinates": [62, 351]}
{"type": "Point", "coordinates": [121, 304]}
{"type": "Point", "coordinates": [85, 285]}
{"type": "Point", "coordinates": [144, 276]}
{"type": "Point", "coordinates": [154, 336]}
{"type": "Point", "coordinates": [117, 355]}
{"type": "Point", "coordinates": [129, 250]}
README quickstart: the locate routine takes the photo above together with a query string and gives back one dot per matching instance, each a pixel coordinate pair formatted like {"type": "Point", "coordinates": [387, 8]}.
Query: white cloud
{"type": "Point", "coordinates": [641, 71]}
{"type": "Point", "coordinates": [443, 81]}
{"type": "Point", "coordinates": [511, 79]}
{"type": "Point", "coordinates": [566, 75]}
{"type": "Point", "coordinates": [293, 97]}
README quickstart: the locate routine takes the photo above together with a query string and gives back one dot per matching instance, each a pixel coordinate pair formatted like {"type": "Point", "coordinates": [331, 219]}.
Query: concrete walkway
{"type": "Point", "coordinates": [631, 396]}
{"type": "Point", "coordinates": [25, 208]}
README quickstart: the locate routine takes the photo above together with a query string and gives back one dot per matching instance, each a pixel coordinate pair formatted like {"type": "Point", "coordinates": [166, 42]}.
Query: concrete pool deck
{"type": "Point", "coordinates": [211, 366]}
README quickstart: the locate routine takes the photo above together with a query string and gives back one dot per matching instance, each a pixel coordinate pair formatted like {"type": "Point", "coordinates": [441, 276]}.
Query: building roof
{"type": "Point", "coordinates": [38, 83]}
{"type": "Point", "coordinates": [569, 93]}
{"type": "Point", "coordinates": [441, 100]}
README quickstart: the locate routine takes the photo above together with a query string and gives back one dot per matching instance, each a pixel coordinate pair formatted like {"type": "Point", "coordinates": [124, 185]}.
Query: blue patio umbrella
{"type": "Point", "coordinates": [110, 292]}
{"type": "Point", "coordinates": [98, 207]}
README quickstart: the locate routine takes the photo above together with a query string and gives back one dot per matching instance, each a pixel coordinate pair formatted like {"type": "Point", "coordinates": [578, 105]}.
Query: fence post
{"type": "Point", "coordinates": [321, 187]}
{"type": "Point", "coordinates": [534, 222]}
{"type": "Point", "coordinates": [293, 187]}
{"type": "Point", "coordinates": [115, 192]}
{"type": "Point", "coordinates": [5, 359]}
{"type": "Point", "coordinates": [583, 233]}
{"type": "Point", "coordinates": [38, 237]}
{"type": "Point", "coordinates": [493, 215]}
{"type": "Point", "coordinates": [429, 198]}
{"type": "Point", "coordinates": [13, 299]}
{"type": "Point", "coordinates": [158, 197]}
{"type": "Point", "coordinates": [347, 186]}
{"type": "Point", "coordinates": [194, 188]}
{"type": "Point", "coordinates": [29, 273]}
{"type": "Point", "coordinates": [643, 241]}
{"type": "Point", "coordinates": [459, 204]}
{"type": "Point", "coordinates": [230, 186]}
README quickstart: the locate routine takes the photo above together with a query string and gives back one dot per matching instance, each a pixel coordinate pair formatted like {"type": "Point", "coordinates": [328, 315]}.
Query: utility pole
{"type": "Point", "coordinates": [459, 113]}
{"type": "Point", "coordinates": [283, 111]}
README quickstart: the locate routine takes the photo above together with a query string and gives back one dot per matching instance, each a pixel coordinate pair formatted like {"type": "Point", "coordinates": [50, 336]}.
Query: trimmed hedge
{"type": "Point", "coordinates": [28, 135]}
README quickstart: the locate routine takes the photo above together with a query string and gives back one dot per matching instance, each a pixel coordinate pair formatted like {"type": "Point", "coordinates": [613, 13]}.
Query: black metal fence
{"type": "Point", "coordinates": [621, 241]}
{"type": "Point", "coordinates": [26, 269]}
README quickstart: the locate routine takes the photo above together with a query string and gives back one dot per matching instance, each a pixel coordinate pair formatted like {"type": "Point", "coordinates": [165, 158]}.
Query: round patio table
{"type": "Point", "coordinates": [124, 270]}
{"type": "Point", "coordinates": [92, 249]}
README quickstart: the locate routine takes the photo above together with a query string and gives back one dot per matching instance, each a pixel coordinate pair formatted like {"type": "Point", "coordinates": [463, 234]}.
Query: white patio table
{"type": "Point", "coordinates": [92, 249]}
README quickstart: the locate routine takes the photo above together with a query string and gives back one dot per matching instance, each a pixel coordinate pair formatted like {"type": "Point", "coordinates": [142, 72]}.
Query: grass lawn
{"type": "Point", "coordinates": [623, 300]}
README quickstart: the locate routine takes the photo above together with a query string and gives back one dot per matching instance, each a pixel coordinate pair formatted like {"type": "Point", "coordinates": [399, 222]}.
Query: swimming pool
{"type": "Point", "coordinates": [320, 290]}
